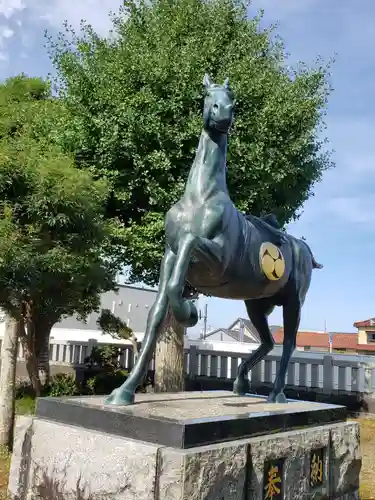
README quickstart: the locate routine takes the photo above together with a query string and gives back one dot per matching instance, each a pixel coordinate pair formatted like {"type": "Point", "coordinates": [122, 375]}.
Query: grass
{"type": "Point", "coordinates": [367, 485]}
{"type": "Point", "coordinates": [26, 406]}
{"type": "Point", "coordinates": [4, 471]}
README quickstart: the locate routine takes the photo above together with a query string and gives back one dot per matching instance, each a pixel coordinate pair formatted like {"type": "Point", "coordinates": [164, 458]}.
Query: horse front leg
{"type": "Point", "coordinates": [184, 310]}
{"type": "Point", "coordinates": [124, 395]}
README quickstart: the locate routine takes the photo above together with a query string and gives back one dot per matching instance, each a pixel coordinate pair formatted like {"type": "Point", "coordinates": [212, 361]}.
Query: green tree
{"type": "Point", "coordinates": [57, 250]}
{"type": "Point", "coordinates": [116, 327]}
{"type": "Point", "coordinates": [133, 104]}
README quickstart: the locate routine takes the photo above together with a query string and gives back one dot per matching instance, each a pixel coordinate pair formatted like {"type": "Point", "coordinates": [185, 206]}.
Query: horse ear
{"type": "Point", "coordinates": [226, 83]}
{"type": "Point", "coordinates": [207, 80]}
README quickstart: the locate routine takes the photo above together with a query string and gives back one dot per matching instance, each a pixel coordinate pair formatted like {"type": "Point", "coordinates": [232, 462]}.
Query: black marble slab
{"type": "Point", "coordinates": [189, 419]}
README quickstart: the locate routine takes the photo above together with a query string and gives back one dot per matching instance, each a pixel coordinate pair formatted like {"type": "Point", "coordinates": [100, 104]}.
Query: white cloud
{"type": "Point", "coordinates": [6, 32]}
{"type": "Point", "coordinates": [353, 141]}
{"type": "Point", "coordinates": [283, 9]}
{"type": "Point", "coordinates": [8, 8]}
{"type": "Point", "coordinates": [95, 12]}
{"type": "Point", "coordinates": [354, 209]}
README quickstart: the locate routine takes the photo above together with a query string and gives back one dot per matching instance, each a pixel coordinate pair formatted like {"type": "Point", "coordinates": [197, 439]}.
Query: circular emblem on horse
{"type": "Point", "coordinates": [272, 261]}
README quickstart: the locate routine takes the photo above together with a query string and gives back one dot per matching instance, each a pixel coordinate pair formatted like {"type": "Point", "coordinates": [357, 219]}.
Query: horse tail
{"type": "Point", "coordinates": [315, 263]}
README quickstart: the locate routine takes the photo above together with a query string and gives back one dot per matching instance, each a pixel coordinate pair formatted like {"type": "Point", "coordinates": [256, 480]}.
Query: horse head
{"type": "Point", "coordinates": [218, 112]}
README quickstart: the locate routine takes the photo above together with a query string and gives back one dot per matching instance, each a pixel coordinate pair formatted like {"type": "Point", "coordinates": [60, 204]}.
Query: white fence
{"type": "Point", "coordinates": [323, 372]}
{"type": "Point", "coordinates": [66, 352]}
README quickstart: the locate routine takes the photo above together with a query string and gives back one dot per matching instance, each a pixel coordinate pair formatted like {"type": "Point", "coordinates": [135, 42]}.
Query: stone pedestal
{"type": "Point", "coordinates": [186, 446]}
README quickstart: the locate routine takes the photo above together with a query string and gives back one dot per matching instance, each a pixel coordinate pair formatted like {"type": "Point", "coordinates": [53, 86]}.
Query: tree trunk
{"type": "Point", "coordinates": [28, 344]}
{"type": "Point", "coordinates": [8, 381]}
{"type": "Point", "coordinates": [43, 332]}
{"type": "Point", "coordinates": [35, 343]}
{"type": "Point", "coordinates": [169, 357]}
{"type": "Point", "coordinates": [32, 367]}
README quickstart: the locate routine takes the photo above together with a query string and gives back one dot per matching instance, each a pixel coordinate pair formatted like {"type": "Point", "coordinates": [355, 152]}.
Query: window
{"type": "Point", "coordinates": [370, 336]}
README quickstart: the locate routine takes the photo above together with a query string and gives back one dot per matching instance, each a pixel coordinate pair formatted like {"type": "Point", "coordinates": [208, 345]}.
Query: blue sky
{"type": "Point", "coordinates": [339, 222]}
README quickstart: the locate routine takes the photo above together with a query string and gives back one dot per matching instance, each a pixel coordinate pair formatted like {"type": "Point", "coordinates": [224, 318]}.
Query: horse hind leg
{"type": "Point", "coordinates": [291, 316]}
{"type": "Point", "coordinates": [258, 311]}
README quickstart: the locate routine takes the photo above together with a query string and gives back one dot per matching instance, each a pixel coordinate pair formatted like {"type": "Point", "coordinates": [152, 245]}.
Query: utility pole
{"type": "Point", "coordinates": [205, 320]}
{"type": "Point", "coordinates": [329, 336]}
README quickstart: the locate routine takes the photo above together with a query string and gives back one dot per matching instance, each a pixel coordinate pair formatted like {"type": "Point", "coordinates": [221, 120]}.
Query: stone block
{"type": "Point", "coordinates": [216, 472]}
{"type": "Point", "coordinates": [19, 469]}
{"type": "Point", "coordinates": [346, 458]}
{"type": "Point", "coordinates": [80, 449]}
{"type": "Point", "coordinates": [71, 463]}
{"type": "Point", "coordinates": [350, 496]}
{"type": "Point", "coordinates": [295, 448]}
{"type": "Point", "coordinates": [189, 419]}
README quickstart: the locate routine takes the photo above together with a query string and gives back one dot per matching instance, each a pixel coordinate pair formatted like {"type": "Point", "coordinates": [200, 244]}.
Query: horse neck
{"type": "Point", "coordinates": [208, 172]}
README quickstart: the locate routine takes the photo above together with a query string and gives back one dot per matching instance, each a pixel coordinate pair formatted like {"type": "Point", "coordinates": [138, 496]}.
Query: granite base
{"type": "Point", "coordinates": [79, 461]}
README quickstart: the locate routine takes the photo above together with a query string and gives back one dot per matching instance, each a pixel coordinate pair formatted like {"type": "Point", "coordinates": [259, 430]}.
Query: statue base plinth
{"type": "Point", "coordinates": [192, 445]}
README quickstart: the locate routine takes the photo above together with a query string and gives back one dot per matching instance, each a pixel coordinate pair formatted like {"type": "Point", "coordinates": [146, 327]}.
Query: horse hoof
{"type": "Point", "coordinates": [193, 316]}
{"type": "Point", "coordinates": [241, 387]}
{"type": "Point", "coordinates": [186, 314]}
{"type": "Point", "coordinates": [120, 398]}
{"type": "Point", "coordinates": [277, 398]}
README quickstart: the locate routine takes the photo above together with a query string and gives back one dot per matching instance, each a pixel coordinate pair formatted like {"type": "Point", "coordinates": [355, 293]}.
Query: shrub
{"type": "Point", "coordinates": [105, 357]}
{"type": "Point", "coordinates": [24, 389]}
{"type": "Point", "coordinates": [25, 406]}
{"type": "Point", "coordinates": [104, 382]}
{"type": "Point", "coordinates": [61, 384]}
{"type": "Point", "coordinates": [104, 361]}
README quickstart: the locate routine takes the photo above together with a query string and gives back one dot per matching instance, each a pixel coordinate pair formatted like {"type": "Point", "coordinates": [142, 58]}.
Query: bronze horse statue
{"type": "Point", "coordinates": [221, 252]}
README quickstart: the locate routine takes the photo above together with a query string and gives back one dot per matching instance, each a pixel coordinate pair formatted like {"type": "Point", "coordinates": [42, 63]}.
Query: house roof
{"type": "Point", "coordinates": [320, 339]}
{"type": "Point", "coordinates": [364, 324]}
{"type": "Point", "coordinates": [366, 347]}
{"type": "Point", "coordinates": [304, 338]}
{"type": "Point", "coordinates": [234, 334]}
{"type": "Point", "coordinates": [248, 326]}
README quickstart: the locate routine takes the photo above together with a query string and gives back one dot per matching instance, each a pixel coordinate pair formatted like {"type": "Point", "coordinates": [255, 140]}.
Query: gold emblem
{"type": "Point", "coordinates": [271, 261]}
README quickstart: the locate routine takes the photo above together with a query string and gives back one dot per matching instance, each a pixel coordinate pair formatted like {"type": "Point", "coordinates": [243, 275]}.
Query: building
{"type": "Point", "coordinates": [240, 335]}
{"type": "Point", "coordinates": [366, 334]}
{"type": "Point", "coordinates": [242, 330]}
{"type": "Point", "coordinates": [130, 303]}
{"type": "Point", "coordinates": [362, 342]}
